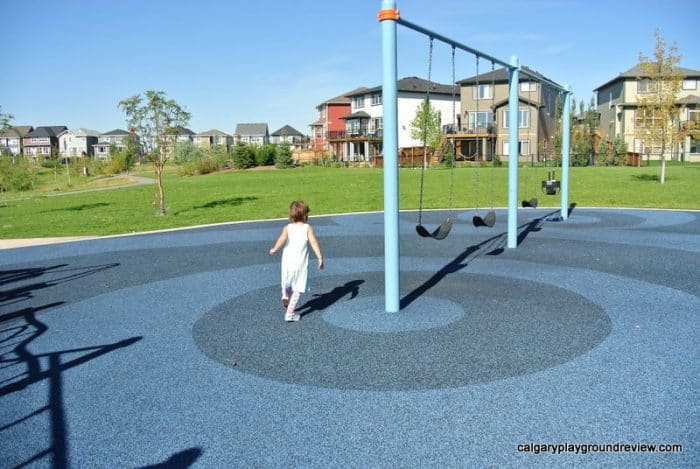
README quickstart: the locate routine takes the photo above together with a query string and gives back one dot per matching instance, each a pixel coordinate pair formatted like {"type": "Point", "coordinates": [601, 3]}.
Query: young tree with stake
{"type": "Point", "coordinates": [157, 121]}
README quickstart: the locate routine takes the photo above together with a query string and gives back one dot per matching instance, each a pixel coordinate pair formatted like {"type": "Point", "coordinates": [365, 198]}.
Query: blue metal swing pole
{"type": "Point", "coordinates": [566, 133]}
{"type": "Point", "coordinates": [388, 16]}
{"type": "Point", "coordinates": [513, 114]}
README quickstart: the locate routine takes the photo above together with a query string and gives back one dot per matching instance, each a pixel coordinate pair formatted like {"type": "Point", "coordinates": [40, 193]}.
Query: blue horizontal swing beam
{"type": "Point", "coordinates": [477, 52]}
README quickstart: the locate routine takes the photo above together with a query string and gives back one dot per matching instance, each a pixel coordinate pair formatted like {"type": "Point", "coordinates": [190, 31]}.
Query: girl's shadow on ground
{"type": "Point", "coordinates": [324, 300]}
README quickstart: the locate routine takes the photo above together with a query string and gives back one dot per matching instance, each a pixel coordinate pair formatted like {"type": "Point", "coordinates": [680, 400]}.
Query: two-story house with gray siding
{"type": "Point", "coordinates": [253, 134]}
{"type": "Point", "coordinates": [78, 142]}
{"type": "Point", "coordinates": [12, 139]}
{"type": "Point", "coordinates": [617, 103]}
{"type": "Point", "coordinates": [114, 138]}
{"type": "Point", "coordinates": [290, 136]}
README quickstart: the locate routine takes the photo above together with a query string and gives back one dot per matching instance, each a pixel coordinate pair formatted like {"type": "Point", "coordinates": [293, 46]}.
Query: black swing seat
{"type": "Point", "coordinates": [440, 232]}
{"type": "Point", "coordinates": [532, 203]}
{"type": "Point", "coordinates": [488, 221]}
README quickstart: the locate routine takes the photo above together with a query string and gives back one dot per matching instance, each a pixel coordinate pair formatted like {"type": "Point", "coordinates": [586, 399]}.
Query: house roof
{"type": "Point", "coordinates": [287, 131]}
{"type": "Point", "coordinates": [357, 115]}
{"type": "Point", "coordinates": [344, 98]}
{"type": "Point", "coordinates": [213, 133]}
{"type": "Point", "coordinates": [503, 102]}
{"type": "Point", "coordinates": [690, 99]}
{"type": "Point", "coordinates": [416, 85]}
{"type": "Point", "coordinates": [47, 131]}
{"type": "Point", "coordinates": [16, 131]}
{"type": "Point", "coordinates": [82, 132]}
{"type": "Point", "coordinates": [184, 131]}
{"type": "Point", "coordinates": [115, 132]}
{"type": "Point", "coordinates": [636, 72]}
{"type": "Point", "coordinates": [500, 75]}
{"type": "Point", "coordinates": [251, 129]}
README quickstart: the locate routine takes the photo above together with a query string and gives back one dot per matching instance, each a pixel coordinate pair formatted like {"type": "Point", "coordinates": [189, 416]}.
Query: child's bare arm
{"type": "Point", "coordinates": [315, 246]}
{"type": "Point", "coordinates": [280, 241]}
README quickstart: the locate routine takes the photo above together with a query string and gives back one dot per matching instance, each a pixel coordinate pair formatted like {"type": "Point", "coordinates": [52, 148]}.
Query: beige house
{"type": "Point", "coordinates": [617, 104]}
{"type": "Point", "coordinates": [485, 97]}
{"type": "Point", "coordinates": [213, 137]}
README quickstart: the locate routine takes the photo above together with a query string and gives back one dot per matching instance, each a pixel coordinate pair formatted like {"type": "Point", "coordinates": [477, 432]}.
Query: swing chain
{"type": "Point", "coordinates": [493, 107]}
{"type": "Point", "coordinates": [425, 130]}
{"type": "Point", "coordinates": [473, 125]}
{"type": "Point", "coordinates": [453, 149]}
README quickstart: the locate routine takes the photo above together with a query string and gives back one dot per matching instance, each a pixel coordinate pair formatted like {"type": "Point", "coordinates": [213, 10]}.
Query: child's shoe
{"type": "Point", "coordinates": [296, 317]}
{"type": "Point", "coordinates": [289, 317]}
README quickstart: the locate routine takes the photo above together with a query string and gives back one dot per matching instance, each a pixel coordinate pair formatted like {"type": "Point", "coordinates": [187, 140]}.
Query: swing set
{"type": "Point", "coordinates": [389, 18]}
{"type": "Point", "coordinates": [549, 186]}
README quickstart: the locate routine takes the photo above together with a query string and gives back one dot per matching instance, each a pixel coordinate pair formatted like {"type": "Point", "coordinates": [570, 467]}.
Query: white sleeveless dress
{"type": "Point", "coordinates": [295, 258]}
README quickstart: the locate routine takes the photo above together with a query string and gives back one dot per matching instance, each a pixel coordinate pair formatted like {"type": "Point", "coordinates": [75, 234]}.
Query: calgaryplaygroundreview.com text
{"type": "Point", "coordinates": [586, 448]}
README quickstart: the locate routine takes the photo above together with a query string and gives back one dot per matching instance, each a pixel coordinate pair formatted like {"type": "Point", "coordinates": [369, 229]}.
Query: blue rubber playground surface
{"type": "Point", "coordinates": [170, 349]}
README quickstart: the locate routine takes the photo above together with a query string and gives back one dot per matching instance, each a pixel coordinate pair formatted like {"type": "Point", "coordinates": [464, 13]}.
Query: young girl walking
{"type": "Point", "coordinates": [296, 238]}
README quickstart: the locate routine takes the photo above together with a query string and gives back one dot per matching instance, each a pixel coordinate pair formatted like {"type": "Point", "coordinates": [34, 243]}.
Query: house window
{"type": "Point", "coordinates": [523, 119]}
{"type": "Point", "coordinates": [528, 86]}
{"type": "Point", "coordinates": [694, 115]}
{"type": "Point", "coordinates": [482, 92]}
{"type": "Point", "coordinates": [358, 101]}
{"type": "Point", "coordinates": [694, 145]}
{"type": "Point", "coordinates": [644, 85]}
{"type": "Point", "coordinates": [480, 120]}
{"type": "Point", "coordinates": [690, 84]}
{"type": "Point", "coordinates": [523, 147]}
{"type": "Point", "coordinates": [644, 118]}
{"type": "Point", "coordinates": [376, 124]}
{"type": "Point", "coordinates": [353, 126]}
{"type": "Point", "coordinates": [376, 99]}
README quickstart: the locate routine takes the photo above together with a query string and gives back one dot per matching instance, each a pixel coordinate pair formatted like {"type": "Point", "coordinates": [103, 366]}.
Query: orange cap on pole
{"type": "Point", "coordinates": [388, 14]}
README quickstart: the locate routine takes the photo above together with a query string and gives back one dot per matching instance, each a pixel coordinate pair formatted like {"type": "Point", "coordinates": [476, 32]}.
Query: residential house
{"type": "Point", "coordinates": [483, 130]}
{"type": "Point", "coordinates": [253, 134]}
{"type": "Point", "coordinates": [290, 136]}
{"type": "Point", "coordinates": [329, 124]}
{"type": "Point", "coordinates": [213, 137]}
{"type": "Point", "coordinates": [617, 103]}
{"type": "Point", "coordinates": [362, 137]}
{"type": "Point", "coordinates": [77, 142]}
{"type": "Point", "coordinates": [184, 135]}
{"type": "Point", "coordinates": [116, 138]}
{"type": "Point", "coordinates": [42, 140]}
{"type": "Point", "coordinates": [12, 139]}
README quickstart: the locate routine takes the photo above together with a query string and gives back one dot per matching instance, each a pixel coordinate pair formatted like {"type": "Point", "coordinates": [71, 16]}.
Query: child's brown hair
{"type": "Point", "coordinates": [298, 211]}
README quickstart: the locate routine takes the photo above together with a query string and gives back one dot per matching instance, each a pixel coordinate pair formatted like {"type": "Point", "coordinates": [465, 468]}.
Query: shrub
{"type": "Point", "coordinates": [186, 151]}
{"type": "Point", "coordinates": [118, 163]}
{"type": "Point", "coordinates": [17, 176]}
{"type": "Point", "coordinates": [283, 157]}
{"type": "Point", "coordinates": [187, 169]}
{"type": "Point", "coordinates": [243, 156]}
{"type": "Point", "coordinates": [265, 155]}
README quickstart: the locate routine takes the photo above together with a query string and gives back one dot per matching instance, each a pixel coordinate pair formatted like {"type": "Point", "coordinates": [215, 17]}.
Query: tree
{"type": "Point", "coordinates": [657, 114]}
{"type": "Point", "coordinates": [157, 120]}
{"type": "Point", "coordinates": [425, 126]}
{"type": "Point", "coordinates": [583, 134]}
{"type": "Point", "coordinates": [243, 156]}
{"type": "Point", "coordinates": [4, 120]}
{"type": "Point", "coordinates": [283, 157]}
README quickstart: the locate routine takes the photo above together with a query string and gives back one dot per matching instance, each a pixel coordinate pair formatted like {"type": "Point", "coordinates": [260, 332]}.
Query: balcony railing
{"type": "Point", "coordinates": [478, 128]}
{"type": "Point", "coordinates": [351, 134]}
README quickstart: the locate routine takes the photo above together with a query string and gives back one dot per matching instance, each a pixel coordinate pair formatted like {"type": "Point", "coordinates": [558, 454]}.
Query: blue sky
{"type": "Point", "coordinates": [235, 61]}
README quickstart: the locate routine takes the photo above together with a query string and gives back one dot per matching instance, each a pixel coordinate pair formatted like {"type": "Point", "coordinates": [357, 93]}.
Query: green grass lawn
{"type": "Point", "coordinates": [264, 194]}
